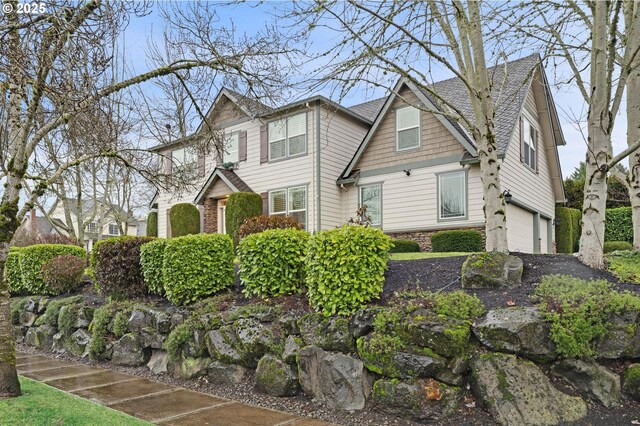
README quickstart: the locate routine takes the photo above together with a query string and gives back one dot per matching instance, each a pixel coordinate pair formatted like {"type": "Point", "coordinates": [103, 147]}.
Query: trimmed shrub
{"type": "Point", "coordinates": [566, 233]}
{"type": "Point", "coordinates": [610, 246]}
{"type": "Point", "coordinates": [404, 246]}
{"type": "Point", "coordinates": [32, 259]}
{"type": "Point", "coordinates": [197, 266]}
{"type": "Point", "coordinates": [241, 206]}
{"type": "Point", "coordinates": [151, 259]}
{"type": "Point", "coordinates": [63, 273]}
{"type": "Point", "coordinates": [618, 225]}
{"type": "Point", "coordinates": [116, 266]}
{"type": "Point", "coordinates": [345, 268]}
{"type": "Point", "coordinates": [152, 224]}
{"type": "Point", "coordinates": [256, 224]}
{"type": "Point", "coordinates": [576, 223]}
{"type": "Point", "coordinates": [13, 270]}
{"type": "Point", "coordinates": [184, 219]}
{"type": "Point", "coordinates": [459, 240]}
{"type": "Point", "coordinates": [272, 262]}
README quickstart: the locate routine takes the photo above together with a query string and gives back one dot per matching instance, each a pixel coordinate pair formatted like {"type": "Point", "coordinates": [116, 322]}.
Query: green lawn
{"type": "Point", "coordinates": [42, 405]}
{"type": "Point", "coordinates": [424, 255]}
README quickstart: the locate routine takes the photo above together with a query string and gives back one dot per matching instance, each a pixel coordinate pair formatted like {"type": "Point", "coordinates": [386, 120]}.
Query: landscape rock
{"type": "Point", "coordinates": [158, 361]}
{"type": "Point", "coordinates": [220, 344]}
{"type": "Point", "coordinates": [275, 377]}
{"type": "Point", "coordinates": [631, 381]}
{"type": "Point", "coordinates": [337, 380]}
{"type": "Point", "coordinates": [42, 305]}
{"type": "Point", "coordinates": [423, 401]}
{"type": "Point", "coordinates": [189, 368]}
{"type": "Point", "coordinates": [31, 305]}
{"type": "Point", "coordinates": [139, 319]}
{"type": "Point", "coordinates": [84, 317]}
{"type": "Point", "coordinates": [446, 336]}
{"type": "Point", "coordinates": [253, 340]}
{"type": "Point", "coordinates": [27, 318]}
{"type": "Point", "coordinates": [226, 374]}
{"type": "Point", "coordinates": [288, 323]}
{"type": "Point", "coordinates": [362, 321]}
{"type": "Point", "coordinates": [622, 339]}
{"type": "Point", "coordinates": [516, 392]}
{"type": "Point", "coordinates": [44, 337]}
{"type": "Point", "coordinates": [519, 330]}
{"type": "Point", "coordinates": [330, 334]}
{"type": "Point", "coordinates": [291, 347]}
{"type": "Point", "coordinates": [195, 347]}
{"type": "Point", "coordinates": [590, 380]}
{"type": "Point", "coordinates": [19, 333]}
{"type": "Point", "coordinates": [129, 352]}
{"type": "Point", "coordinates": [492, 270]}
{"type": "Point", "coordinates": [59, 341]}
{"type": "Point", "coordinates": [152, 339]}
{"type": "Point", "coordinates": [30, 337]}
{"type": "Point", "coordinates": [78, 341]}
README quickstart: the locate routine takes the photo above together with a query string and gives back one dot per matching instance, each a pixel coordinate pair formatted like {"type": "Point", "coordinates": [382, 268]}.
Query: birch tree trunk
{"type": "Point", "coordinates": [633, 118]}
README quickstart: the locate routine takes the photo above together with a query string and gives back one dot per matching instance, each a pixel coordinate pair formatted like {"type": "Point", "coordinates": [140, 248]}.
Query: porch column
{"type": "Point", "coordinates": [210, 216]}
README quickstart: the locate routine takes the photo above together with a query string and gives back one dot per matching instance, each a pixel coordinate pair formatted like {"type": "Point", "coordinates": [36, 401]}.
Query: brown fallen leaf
{"type": "Point", "coordinates": [432, 387]}
{"type": "Point", "coordinates": [511, 303]}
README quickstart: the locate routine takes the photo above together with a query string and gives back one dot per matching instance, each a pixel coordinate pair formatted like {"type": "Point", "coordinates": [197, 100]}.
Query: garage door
{"type": "Point", "coordinates": [519, 229]}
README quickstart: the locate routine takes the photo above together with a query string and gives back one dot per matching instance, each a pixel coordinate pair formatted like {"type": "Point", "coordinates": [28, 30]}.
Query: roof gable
{"type": "Point", "coordinates": [231, 179]}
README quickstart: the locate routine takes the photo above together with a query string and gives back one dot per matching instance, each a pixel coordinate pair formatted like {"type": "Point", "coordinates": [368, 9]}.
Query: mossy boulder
{"type": "Point", "coordinates": [423, 400]}
{"type": "Point", "coordinates": [519, 330]}
{"type": "Point", "coordinates": [129, 352]}
{"type": "Point", "coordinates": [330, 334]}
{"type": "Point", "coordinates": [189, 368]}
{"type": "Point", "coordinates": [254, 340]}
{"type": "Point", "coordinates": [622, 339]}
{"type": "Point", "coordinates": [292, 346]}
{"type": "Point", "coordinates": [222, 343]}
{"type": "Point", "coordinates": [275, 377]}
{"type": "Point", "coordinates": [77, 342]}
{"type": "Point", "coordinates": [391, 357]}
{"type": "Point", "coordinates": [42, 337]}
{"type": "Point", "coordinates": [631, 381]}
{"type": "Point", "coordinates": [446, 336]}
{"type": "Point", "coordinates": [591, 380]}
{"type": "Point", "coordinates": [516, 392]}
{"type": "Point", "coordinates": [226, 374]}
{"type": "Point", "coordinates": [492, 270]}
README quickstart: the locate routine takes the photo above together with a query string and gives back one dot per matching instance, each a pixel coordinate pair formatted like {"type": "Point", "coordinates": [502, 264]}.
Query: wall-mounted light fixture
{"type": "Point", "coordinates": [556, 222]}
{"type": "Point", "coordinates": [407, 172]}
{"type": "Point", "coordinates": [507, 196]}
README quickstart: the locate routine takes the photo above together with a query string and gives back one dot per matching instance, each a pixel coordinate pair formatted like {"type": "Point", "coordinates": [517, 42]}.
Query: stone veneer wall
{"type": "Point", "coordinates": [210, 216]}
{"type": "Point", "coordinates": [423, 238]}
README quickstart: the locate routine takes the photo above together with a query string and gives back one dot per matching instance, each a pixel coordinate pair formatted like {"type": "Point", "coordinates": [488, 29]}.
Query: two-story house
{"type": "Point", "coordinates": [417, 171]}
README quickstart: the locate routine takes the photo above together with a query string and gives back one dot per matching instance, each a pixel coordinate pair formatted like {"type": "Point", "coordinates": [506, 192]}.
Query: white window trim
{"type": "Point", "coordinates": [398, 129]}
{"type": "Point", "coordinates": [465, 196]}
{"type": "Point", "coordinates": [227, 152]}
{"type": "Point", "coordinates": [95, 227]}
{"type": "Point", "coordinates": [109, 228]}
{"type": "Point", "coordinates": [379, 185]}
{"type": "Point", "coordinates": [288, 210]}
{"type": "Point", "coordinates": [286, 138]}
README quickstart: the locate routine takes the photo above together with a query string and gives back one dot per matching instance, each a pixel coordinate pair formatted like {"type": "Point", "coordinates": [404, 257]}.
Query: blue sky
{"type": "Point", "coordinates": [248, 17]}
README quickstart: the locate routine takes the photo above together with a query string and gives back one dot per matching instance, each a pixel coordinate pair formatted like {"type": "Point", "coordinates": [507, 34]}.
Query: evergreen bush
{"type": "Point", "coordinates": [184, 219]}
{"type": "Point", "coordinates": [152, 224]}
{"type": "Point", "coordinates": [404, 246]}
{"type": "Point", "coordinates": [566, 234]}
{"type": "Point", "coordinates": [151, 259]}
{"type": "Point", "coordinates": [459, 240]}
{"type": "Point", "coordinates": [610, 246]}
{"type": "Point", "coordinates": [241, 206]}
{"type": "Point", "coordinates": [618, 225]}
{"type": "Point", "coordinates": [256, 224]}
{"type": "Point", "coordinates": [32, 259]}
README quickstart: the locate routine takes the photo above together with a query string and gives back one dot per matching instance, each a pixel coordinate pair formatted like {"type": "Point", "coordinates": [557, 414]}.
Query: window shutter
{"type": "Point", "coordinates": [522, 146]}
{"type": "Point", "coordinates": [265, 203]}
{"type": "Point", "coordinates": [201, 160]}
{"type": "Point", "coordinates": [535, 144]}
{"type": "Point", "coordinates": [242, 149]}
{"type": "Point", "coordinates": [264, 144]}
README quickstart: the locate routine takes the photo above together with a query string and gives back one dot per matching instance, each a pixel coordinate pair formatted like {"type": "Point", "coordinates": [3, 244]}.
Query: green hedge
{"type": "Point", "coordinates": [241, 206]}
{"type": "Point", "coordinates": [618, 225]}
{"type": "Point", "coordinates": [151, 260]}
{"type": "Point", "coordinates": [459, 240]}
{"type": "Point", "coordinates": [345, 268]}
{"type": "Point", "coordinates": [404, 246]}
{"type": "Point", "coordinates": [152, 224]}
{"type": "Point", "coordinates": [256, 224]}
{"type": "Point", "coordinates": [31, 260]}
{"type": "Point", "coordinates": [610, 246]}
{"type": "Point", "coordinates": [184, 219]}
{"type": "Point", "coordinates": [115, 264]}
{"type": "Point", "coordinates": [567, 230]}
{"type": "Point", "coordinates": [197, 266]}
{"type": "Point", "coordinates": [576, 222]}
{"type": "Point", "coordinates": [272, 262]}
{"type": "Point", "coordinates": [13, 270]}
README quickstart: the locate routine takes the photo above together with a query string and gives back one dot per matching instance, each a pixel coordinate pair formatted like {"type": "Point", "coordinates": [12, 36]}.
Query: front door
{"type": "Point", "coordinates": [222, 209]}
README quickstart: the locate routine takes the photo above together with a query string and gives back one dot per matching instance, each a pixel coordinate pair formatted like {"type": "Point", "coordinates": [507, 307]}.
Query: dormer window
{"type": "Point", "coordinates": [407, 128]}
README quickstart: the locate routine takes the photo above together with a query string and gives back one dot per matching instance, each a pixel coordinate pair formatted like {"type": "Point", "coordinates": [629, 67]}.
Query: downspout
{"type": "Point", "coordinates": [318, 177]}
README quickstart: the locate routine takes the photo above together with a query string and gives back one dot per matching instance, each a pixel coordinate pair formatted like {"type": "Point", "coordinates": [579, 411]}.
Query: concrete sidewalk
{"type": "Point", "coordinates": [150, 400]}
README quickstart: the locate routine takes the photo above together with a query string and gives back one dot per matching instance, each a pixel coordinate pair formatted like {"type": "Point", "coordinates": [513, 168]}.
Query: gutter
{"type": "Point", "coordinates": [318, 180]}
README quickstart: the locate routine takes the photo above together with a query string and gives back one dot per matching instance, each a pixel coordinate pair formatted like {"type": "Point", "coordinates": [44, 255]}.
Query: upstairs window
{"type": "Point", "coordinates": [288, 137]}
{"type": "Point", "coordinates": [407, 128]}
{"type": "Point", "coordinates": [529, 144]}
{"type": "Point", "coordinates": [231, 148]}
{"type": "Point", "coordinates": [452, 195]}
{"type": "Point", "coordinates": [185, 160]}
{"type": "Point", "coordinates": [92, 228]}
{"type": "Point", "coordinates": [114, 229]}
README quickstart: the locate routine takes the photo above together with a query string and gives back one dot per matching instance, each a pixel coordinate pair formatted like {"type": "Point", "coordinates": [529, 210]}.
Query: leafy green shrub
{"type": "Point", "coordinates": [345, 268]}
{"type": "Point", "coordinates": [241, 206]}
{"type": "Point", "coordinates": [618, 225]}
{"type": "Point", "coordinates": [184, 219]}
{"type": "Point", "coordinates": [566, 233]}
{"type": "Point", "coordinates": [32, 259]}
{"type": "Point", "coordinates": [576, 224]}
{"type": "Point", "coordinates": [578, 311]}
{"type": "Point", "coordinates": [197, 266]}
{"type": "Point", "coordinates": [272, 262]}
{"type": "Point", "coordinates": [151, 259]}
{"type": "Point", "coordinates": [13, 271]}
{"type": "Point", "coordinates": [152, 224]}
{"type": "Point", "coordinates": [461, 240]}
{"type": "Point", "coordinates": [610, 246]}
{"type": "Point", "coordinates": [404, 246]}
{"type": "Point", "coordinates": [50, 316]}
{"type": "Point", "coordinates": [625, 265]}
{"type": "Point", "coordinates": [63, 273]}
{"type": "Point", "coordinates": [116, 266]}
{"type": "Point", "coordinates": [256, 224]}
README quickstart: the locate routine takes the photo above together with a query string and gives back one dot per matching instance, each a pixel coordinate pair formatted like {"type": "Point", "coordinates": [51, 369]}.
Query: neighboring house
{"type": "Point", "coordinates": [417, 172]}
{"type": "Point", "coordinates": [97, 218]}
